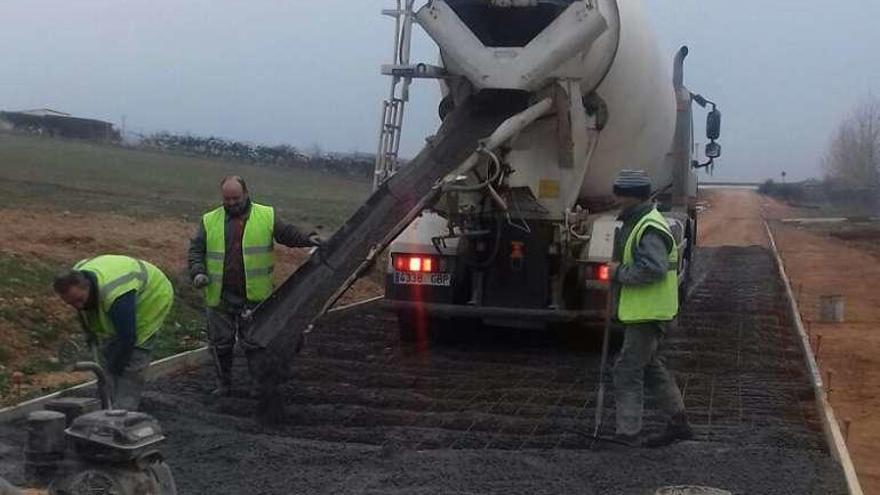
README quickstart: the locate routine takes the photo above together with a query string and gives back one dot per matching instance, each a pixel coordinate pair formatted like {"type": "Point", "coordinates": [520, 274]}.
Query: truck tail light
{"type": "Point", "coordinates": [600, 272]}
{"type": "Point", "coordinates": [416, 263]}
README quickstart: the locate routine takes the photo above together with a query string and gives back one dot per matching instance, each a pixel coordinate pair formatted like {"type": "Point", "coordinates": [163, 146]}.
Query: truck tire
{"type": "Point", "coordinates": [685, 287]}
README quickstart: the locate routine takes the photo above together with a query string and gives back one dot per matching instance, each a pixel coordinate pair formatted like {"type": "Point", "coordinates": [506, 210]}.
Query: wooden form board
{"type": "Point", "coordinates": [830, 426]}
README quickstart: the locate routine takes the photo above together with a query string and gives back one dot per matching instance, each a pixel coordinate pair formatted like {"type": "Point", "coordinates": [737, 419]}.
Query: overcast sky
{"type": "Point", "coordinates": [307, 72]}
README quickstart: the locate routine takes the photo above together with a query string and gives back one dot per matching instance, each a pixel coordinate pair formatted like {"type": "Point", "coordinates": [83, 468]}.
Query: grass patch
{"type": "Point", "coordinates": [20, 276]}
{"type": "Point", "coordinates": [37, 365]}
{"type": "Point", "coordinates": [25, 291]}
{"type": "Point", "coordinates": [184, 329]}
{"type": "Point", "coordinates": [5, 354]}
{"type": "Point", "coordinates": [82, 176]}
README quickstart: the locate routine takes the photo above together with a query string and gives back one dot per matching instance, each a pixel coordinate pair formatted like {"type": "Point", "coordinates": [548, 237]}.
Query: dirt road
{"type": "Point", "coordinates": [735, 217]}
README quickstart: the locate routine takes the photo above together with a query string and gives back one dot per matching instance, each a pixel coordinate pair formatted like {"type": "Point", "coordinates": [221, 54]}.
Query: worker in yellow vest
{"type": "Point", "coordinates": [231, 258]}
{"type": "Point", "coordinates": [122, 303]}
{"type": "Point", "coordinates": [644, 288]}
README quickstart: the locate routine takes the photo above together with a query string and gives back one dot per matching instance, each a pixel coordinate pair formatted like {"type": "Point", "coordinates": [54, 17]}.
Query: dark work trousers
{"type": "Point", "coordinates": [226, 326]}
{"type": "Point", "coordinates": [640, 366]}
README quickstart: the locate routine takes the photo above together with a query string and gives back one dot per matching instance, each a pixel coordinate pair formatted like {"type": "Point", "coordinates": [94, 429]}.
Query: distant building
{"type": "Point", "coordinates": [48, 122]}
{"type": "Point", "coordinates": [44, 112]}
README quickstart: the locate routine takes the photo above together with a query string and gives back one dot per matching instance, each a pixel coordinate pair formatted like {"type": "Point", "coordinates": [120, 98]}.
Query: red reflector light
{"type": "Point", "coordinates": [598, 272]}
{"type": "Point", "coordinates": [418, 264]}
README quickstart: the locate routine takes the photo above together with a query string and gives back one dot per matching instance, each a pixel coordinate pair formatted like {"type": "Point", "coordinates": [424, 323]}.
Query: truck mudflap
{"type": "Point", "coordinates": [442, 310]}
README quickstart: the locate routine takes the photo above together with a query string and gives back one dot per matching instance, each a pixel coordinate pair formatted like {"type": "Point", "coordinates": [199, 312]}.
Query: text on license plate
{"type": "Point", "coordinates": [435, 279]}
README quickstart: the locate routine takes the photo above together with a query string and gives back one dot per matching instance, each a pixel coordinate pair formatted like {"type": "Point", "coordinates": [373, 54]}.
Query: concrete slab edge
{"type": "Point", "coordinates": [355, 305]}
{"type": "Point", "coordinates": [830, 426]}
{"type": "Point", "coordinates": [158, 369]}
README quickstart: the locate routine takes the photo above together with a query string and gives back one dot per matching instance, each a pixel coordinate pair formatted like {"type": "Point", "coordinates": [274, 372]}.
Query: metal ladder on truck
{"type": "Point", "coordinates": [390, 129]}
{"type": "Point", "coordinates": [402, 72]}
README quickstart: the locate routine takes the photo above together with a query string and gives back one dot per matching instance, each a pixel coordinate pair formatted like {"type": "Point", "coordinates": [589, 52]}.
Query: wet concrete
{"type": "Point", "coordinates": [504, 412]}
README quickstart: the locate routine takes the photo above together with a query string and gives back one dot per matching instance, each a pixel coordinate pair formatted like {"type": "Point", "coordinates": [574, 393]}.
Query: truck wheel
{"type": "Point", "coordinates": [685, 287]}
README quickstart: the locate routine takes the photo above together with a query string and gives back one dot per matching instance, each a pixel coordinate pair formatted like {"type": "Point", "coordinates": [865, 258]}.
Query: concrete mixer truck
{"type": "Point", "coordinates": [504, 216]}
{"type": "Point", "coordinates": [524, 237]}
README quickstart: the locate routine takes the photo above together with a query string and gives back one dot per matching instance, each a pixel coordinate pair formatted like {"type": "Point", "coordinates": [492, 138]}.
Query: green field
{"type": "Point", "coordinates": [81, 176]}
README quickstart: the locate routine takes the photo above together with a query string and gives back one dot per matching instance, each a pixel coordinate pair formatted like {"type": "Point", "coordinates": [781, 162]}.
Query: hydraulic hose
{"type": "Point", "coordinates": [488, 182]}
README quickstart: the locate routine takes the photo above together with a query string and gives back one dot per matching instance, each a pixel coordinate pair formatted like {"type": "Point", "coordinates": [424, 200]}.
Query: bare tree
{"type": "Point", "coordinates": [853, 157]}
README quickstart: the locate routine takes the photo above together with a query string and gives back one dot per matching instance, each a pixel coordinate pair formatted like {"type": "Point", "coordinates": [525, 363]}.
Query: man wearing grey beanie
{"type": "Point", "coordinates": [644, 288]}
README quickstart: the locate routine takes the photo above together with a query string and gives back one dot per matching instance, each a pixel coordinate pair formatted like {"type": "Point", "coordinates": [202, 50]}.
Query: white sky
{"type": "Point", "coordinates": [307, 72]}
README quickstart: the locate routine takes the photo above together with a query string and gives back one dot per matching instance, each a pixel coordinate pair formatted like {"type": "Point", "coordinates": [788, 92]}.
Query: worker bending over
{"type": "Point", "coordinates": [122, 303]}
{"type": "Point", "coordinates": [232, 258]}
{"type": "Point", "coordinates": [644, 285]}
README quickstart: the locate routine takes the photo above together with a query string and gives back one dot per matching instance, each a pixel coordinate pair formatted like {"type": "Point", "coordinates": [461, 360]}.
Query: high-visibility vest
{"type": "Point", "coordinates": [257, 252]}
{"type": "Point", "coordinates": [117, 275]}
{"type": "Point", "coordinates": [657, 301]}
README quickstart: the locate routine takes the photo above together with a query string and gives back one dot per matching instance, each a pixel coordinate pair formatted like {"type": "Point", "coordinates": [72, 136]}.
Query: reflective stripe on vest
{"type": "Point", "coordinates": [257, 253]}
{"type": "Point", "coordinates": [657, 301]}
{"type": "Point", "coordinates": [118, 275]}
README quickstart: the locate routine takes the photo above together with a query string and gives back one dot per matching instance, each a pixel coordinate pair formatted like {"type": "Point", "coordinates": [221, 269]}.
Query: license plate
{"type": "Point", "coordinates": [434, 279]}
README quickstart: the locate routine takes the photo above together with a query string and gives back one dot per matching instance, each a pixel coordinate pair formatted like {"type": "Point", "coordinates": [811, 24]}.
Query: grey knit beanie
{"type": "Point", "coordinates": [633, 184]}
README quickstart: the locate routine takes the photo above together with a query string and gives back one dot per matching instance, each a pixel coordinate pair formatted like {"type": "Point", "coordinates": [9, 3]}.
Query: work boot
{"type": "Point", "coordinates": [223, 361]}
{"type": "Point", "coordinates": [677, 429]}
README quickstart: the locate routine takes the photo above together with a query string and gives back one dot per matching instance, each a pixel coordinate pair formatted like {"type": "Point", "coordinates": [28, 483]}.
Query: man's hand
{"type": "Point", "coordinates": [612, 269]}
{"type": "Point", "coordinates": [316, 240]}
{"type": "Point", "coordinates": [201, 281]}
{"type": "Point", "coordinates": [114, 365]}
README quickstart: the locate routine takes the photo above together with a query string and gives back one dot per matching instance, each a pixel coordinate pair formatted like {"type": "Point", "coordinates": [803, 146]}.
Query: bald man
{"type": "Point", "coordinates": [231, 258]}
